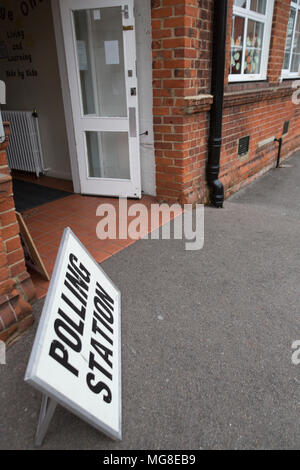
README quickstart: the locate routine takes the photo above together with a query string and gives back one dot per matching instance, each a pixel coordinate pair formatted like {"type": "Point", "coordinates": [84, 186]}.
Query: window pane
{"type": "Point", "coordinates": [289, 37]}
{"type": "Point", "coordinates": [295, 63]}
{"type": "Point", "coordinates": [237, 39]}
{"type": "Point", "coordinates": [253, 50]}
{"type": "Point", "coordinates": [240, 3]}
{"type": "Point", "coordinates": [259, 6]}
{"type": "Point", "coordinates": [296, 47]}
{"type": "Point", "coordinates": [108, 154]}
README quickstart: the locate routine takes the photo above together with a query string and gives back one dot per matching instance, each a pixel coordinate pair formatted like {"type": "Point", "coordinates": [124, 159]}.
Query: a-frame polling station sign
{"type": "Point", "coordinates": [76, 356]}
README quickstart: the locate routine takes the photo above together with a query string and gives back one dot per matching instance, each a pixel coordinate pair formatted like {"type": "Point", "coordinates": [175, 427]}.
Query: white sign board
{"type": "Point", "coordinates": [112, 56]}
{"type": "Point", "coordinates": [76, 357]}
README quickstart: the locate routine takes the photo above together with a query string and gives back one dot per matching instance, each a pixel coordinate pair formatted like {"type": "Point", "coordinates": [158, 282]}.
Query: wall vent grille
{"type": "Point", "coordinates": [286, 127]}
{"type": "Point", "coordinates": [243, 148]}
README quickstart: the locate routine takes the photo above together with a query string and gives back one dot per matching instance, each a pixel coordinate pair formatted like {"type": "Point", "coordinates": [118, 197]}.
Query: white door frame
{"type": "Point", "coordinates": [61, 54]}
{"type": "Point", "coordinates": [69, 110]}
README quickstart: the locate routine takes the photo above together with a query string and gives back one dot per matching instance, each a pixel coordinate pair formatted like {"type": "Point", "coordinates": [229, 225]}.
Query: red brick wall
{"type": "Point", "coordinates": [16, 288]}
{"type": "Point", "coordinates": [182, 37]}
{"type": "Point", "coordinates": [258, 109]}
{"type": "Point", "coordinates": [261, 119]}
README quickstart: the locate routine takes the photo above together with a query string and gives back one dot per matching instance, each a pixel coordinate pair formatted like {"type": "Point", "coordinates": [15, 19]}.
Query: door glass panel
{"type": "Point", "coordinates": [108, 154]}
{"type": "Point", "coordinates": [100, 57]}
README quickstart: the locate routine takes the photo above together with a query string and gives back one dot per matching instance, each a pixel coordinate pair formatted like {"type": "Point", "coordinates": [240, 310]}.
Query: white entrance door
{"type": "Point", "coordinates": [99, 37]}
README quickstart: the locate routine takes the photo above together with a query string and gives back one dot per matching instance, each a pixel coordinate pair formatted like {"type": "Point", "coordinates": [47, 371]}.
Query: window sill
{"type": "Point", "coordinates": [246, 79]}
{"type": "Point", "coordinates": [285, 78]}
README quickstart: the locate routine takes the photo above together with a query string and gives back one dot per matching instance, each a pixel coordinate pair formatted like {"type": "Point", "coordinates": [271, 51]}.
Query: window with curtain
{"type": "Point", "coordinates": [250, 39]}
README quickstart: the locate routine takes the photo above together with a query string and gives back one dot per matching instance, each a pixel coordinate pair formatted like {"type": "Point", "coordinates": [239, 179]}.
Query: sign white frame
{"type": "Point", "coordinates": [49, 390]}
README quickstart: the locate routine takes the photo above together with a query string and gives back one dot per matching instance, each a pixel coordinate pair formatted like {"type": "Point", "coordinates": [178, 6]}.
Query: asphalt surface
{"type": "Point", "coordinates": [206, 336]}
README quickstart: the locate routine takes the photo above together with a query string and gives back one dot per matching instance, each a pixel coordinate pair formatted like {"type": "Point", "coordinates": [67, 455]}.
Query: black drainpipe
{"type": "Point", "coordinates": [279, 150]}
{"type": "Point", "coordinates": [216, 114]}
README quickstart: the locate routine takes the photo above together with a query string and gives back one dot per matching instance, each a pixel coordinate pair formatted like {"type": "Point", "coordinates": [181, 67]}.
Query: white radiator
{"type": "Point", "coordinates": [24, 151]}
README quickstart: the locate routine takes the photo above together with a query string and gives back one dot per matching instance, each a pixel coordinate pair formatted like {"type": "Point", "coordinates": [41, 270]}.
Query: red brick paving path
{"type": "Point", "coordinates": [46, 224]}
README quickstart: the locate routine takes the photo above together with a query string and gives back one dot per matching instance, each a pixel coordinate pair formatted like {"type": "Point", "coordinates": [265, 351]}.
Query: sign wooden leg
{"type": "Point", "coordinates": [47, 411]}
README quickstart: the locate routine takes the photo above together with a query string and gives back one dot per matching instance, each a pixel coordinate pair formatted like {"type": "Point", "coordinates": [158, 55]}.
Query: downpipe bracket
{"type": "Point", "coordinates": [279, 151]}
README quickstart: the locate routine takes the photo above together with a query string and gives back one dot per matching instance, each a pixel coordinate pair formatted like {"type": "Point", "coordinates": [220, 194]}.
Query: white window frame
{"type": "Point", "coordinates": [285, 73]}
{"type": "Point", "coordinates": [266, 19]}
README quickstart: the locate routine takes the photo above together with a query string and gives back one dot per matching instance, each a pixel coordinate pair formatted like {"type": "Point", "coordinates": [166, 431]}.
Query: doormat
{"type": "Point", "coordinates": [28, 195]}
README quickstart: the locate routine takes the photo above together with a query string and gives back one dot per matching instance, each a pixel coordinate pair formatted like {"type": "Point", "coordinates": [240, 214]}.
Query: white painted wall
{"type": "Point", "coordinates": [144, 72]}
{"type": "Point", "coordinates": [42, 92]}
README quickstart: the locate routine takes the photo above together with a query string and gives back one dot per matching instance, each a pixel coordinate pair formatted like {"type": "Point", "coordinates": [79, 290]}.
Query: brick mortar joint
{"type": "Point", "coordinates": [199, 98]}
{"type": "Point", "coordinates": [197, 109]}
{"type": "Point", "coordinates": [14, 251]}
{"type": "Point", "coordinates": [4, 178]}
{"type": "Point", "coordinates": [21, 290]}
{"type": "Point", "coordinates": [8, 211]}
{"type": "Point", "coordinates": [8, 225]}
{"type": "Point", "coordinates": [13, 311]}
{"type": "Point", "coordinates": [17, 292]}
{"type": "Point", "coordinates": [11, 238]}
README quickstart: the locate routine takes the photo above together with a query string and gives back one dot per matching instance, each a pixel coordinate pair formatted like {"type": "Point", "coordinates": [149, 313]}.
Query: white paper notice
{"type": "Point", "coordinates": [112, 52]}
{"type": "Point", "coordinates": [97, 15]}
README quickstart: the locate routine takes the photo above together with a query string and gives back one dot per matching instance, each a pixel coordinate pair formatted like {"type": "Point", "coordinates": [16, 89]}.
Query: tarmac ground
{"type": "Point", "coordinates": [206, 336]}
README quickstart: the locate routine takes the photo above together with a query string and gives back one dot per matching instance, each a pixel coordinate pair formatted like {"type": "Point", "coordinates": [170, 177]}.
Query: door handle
{"type": "Point", "coordinates": [132, 122]}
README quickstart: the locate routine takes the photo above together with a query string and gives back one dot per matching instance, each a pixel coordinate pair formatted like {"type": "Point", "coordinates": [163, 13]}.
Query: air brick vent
{"type": "Point", "coordinates": [243, 148]}
{"type": "Point", "coordinates": [286, 127]}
